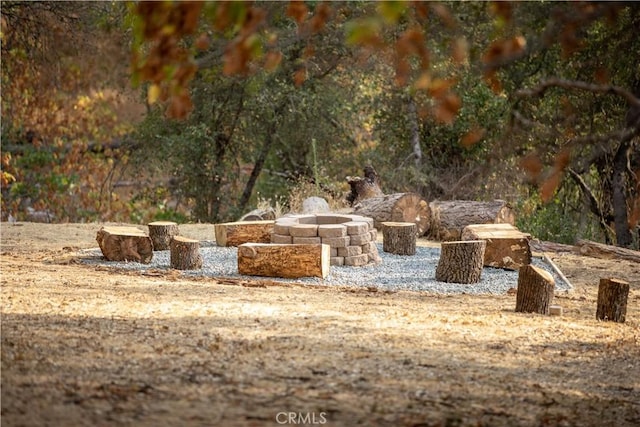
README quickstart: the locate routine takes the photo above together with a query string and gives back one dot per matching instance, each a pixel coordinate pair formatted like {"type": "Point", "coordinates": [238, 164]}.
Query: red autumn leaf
{"type": "Point", "coordinates": [532, 164]}
{"type": "Point", "coordinates": [447, 109]}
{"type": "Point", "coordinates": [300, 76]}
{"type": "Point", "coordinates": [472, 137]}
{"type": "Point", "coordinates": [549, 187]}
{"type": "Point", "coordinates": [298, 11]}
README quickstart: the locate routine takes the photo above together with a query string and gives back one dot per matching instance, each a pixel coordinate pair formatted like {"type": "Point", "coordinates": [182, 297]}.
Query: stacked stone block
{"type": "Point", "coordinates": [352, 238]}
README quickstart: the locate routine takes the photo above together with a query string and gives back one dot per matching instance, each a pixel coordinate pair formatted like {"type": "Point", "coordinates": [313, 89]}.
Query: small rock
{"type": "Point", "coordinates": [312, 205]}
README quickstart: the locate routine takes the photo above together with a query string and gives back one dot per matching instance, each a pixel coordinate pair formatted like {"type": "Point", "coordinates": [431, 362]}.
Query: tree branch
{"type": "Point", "coordinates": [539, 90]}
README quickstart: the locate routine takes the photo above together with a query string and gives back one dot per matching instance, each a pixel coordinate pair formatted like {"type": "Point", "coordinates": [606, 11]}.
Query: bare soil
{"type": "Point", "coordinates": [92, 346]}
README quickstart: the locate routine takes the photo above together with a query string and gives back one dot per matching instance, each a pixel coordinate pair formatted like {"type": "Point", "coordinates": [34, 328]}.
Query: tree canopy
{"type": "Point", "coordinates": [527, 101]}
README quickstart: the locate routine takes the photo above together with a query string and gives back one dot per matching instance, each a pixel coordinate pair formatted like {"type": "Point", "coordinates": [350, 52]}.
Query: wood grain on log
{"type": "Point", "coordinates": [399, 207]}
{"type": "Point", "coordinates": [461, 262]}
{"type": "Point", "coordinates": [237, 233]}
{"type": "Point", "coordinates": [185, 253]}
{"type": "Point", "coordinates": [287, 261]}
{"type": "Point", "coordinates": [507, 247]}
{"type": "Point", "coordinates": [535, 290]}
{"type": "Point", "coordinates": [399, 238]}
{"type": "Point", "coordinates": [161, 233]}
{"type": "Point", "coordinates": [121, 243]}
{"type": "Point", "coordinates": [612, 300]}
{"type": "Point", "coordinates": [600, 250]}
{"type": "Point", "coordinates": [448, 218]}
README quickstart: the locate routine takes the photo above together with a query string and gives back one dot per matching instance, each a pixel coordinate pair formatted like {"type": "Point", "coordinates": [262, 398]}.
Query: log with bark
{"type": "Point", "coordinates": [448, 218]}
{"type": "Point", "coordinates": [535, 290]}
{"type": "Point", "coordinates": [185, 253]}
{"type": "Point", "coordinates": [599, 250]}
{"type": "Point", "coordinates": [237, 233]}
{"type": "Point", "coordinates": [287, 261]}
{"type": "Point", "coordinates": [161, 233]}
{"type": "Point", "coordinates": [399, 207]}
{"type": "Point", "coordinates": [461, 262]}
{"type": "Point", "coordinates": [507, 247]}
{"type": "Point", "coordinates": [125, 244]}
{"type": "Point", "coordinates": [399, 238]}
{"type": "Point", "coordinates": [612, 300]}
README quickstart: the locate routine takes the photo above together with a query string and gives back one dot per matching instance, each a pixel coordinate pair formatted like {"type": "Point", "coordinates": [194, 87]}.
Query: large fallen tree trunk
{"type": "Point", "coordinates": [449, 218]}
{"type": "Point", "coordinates": [599, 250]}
{"type": "Point", "coordinates": [399, 207]}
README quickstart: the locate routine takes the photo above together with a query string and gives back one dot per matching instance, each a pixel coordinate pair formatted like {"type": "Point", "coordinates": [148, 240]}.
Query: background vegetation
{"type": "Point", "coordinates": [201, 111]}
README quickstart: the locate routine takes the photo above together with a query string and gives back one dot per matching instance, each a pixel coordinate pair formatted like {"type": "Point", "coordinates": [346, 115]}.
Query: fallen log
{"type": "Point", "coordinates": [448, 218]}
{"type": "Point", "coordinates": [121, 243]}
{"type": "Point", "coordinates": [600, 250]}
{"type": "Point", "coordinates": [288, 261]}
{"type": "Point", "coordinates": [399, 207]}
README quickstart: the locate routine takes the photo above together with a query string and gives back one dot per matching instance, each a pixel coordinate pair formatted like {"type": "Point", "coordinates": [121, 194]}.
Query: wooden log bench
{"type": "Point", "coordinates": [535, 290]}
{"type": "Point", "coordinates": [461, 261]}
{"type": "Point", "coordinates": [507, 247]}
{"type": "Point", "coordinates": [240, 232]}
{"type": "Point", "coordinates": [161, 233]}
{"type": "Point", "coordinates": [185, 253]}
{"type": "Point", "coordinates": [399, 238]}
{"type": "Point", "coordinates": [289, 261]}
{"type": "Point", "coordinates": [612, 300]}
{"type": "Point", "coordinates": [122, 243]}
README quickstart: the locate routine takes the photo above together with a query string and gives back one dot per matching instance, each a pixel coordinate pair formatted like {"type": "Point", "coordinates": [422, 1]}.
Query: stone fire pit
{"type": "Point", "coordinates": [352, 238]}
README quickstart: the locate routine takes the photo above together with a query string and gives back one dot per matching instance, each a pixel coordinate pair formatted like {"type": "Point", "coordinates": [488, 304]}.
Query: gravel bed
{"type": "Point", "coordinates": [396, 272]}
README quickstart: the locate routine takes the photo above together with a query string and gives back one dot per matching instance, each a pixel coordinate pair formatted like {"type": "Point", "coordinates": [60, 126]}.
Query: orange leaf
{"type": "Point", "coordinates": [297, 10]}
{"type": "Point", "coordinates": [447, 109]}
{"type": "Point", "coordinates": [272, 60]}
{"type": "Point", "coordinates": [532, 164]}
{"type": "Point", "coordinates": [300, 76]}
{"type": "Point", "coordinates": [472, 137]}
{"type": "Point", "coordinates": [549, 187]}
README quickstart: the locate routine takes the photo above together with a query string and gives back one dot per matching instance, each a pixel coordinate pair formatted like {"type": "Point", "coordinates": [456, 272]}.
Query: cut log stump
{"type": "Point", "coordinates": [461, 261]}
{"type": "Point", "coordinates": [237, 233]}
{"type": "Point", "coordinates": [161, 233]}
{"type": "Point", "coordinates": [507, 247]}
{"type": "Point", "coordinates": [185, 253]}
{"type": "Point", "coordinates": [535, 290]}
{"type": "Point", "coordinates": [399, 207]}
{"type": "Point", "coordinates": [282, 260]}
{"type": "Point", "coordinates": [125, 244]}
{"type": "Point", "coordinates": [399, 238]}
{"type": "Point", "coordinates": [449, 218]}
{"type": "Point", "coordinates": [612, 300]}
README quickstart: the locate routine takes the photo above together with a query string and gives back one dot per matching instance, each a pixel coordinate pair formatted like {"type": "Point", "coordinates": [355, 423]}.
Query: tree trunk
{"type": "Point", "coordinates": [185, 253]}
{"type": "Point", "coordinates": [507, 247]}
{"type": "Point", "coordinates": [364, 188]}
{"type": "Point", "coordinates": [399, 207]}
{"type": "Point", "coordinates": [619, 197]}
{"type": "Point", "coordinates": [612, 300]}
{"type": "Point", "coordinates": [448, 218]}
{"type": "Point", "coordinates": [461, 262]}
{"type": "Point", "coordinates": [535, 290]}
{"type": "Point", "coordinates": [161, 233]}
{"type": "Point", "coordinates": [399, 238]}
{"type": "Point", "coordinates": [237, 233]}
{"type": "Point", "coordinates": [599, 250]}
{"type": "Point", "coordinates": [288, 261]}
{"type": "Point", "coordinates": [125, 244]}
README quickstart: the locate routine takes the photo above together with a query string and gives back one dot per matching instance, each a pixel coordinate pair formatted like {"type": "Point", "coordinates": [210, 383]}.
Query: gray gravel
{"type": "Point", "coordinates": [396, 272]}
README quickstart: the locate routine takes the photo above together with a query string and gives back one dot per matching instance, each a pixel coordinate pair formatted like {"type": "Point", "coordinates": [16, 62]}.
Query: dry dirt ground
{"type": "Point", "coordinates": [89, 346]}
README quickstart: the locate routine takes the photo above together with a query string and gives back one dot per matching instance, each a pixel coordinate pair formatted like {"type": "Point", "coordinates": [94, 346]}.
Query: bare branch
{"type": "Point", "coordinates": [539, 90]}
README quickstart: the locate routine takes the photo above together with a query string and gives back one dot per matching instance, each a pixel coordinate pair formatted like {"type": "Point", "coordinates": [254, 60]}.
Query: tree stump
{"type": "Point", "coordinates": [448, 218]}
{"type": "Point", "coordinates": [288, 261]}
{"type": "Point", "coordinates": [535, 290]}
{"type": "Point", "coordinates": [161, 233]}
{"type": "Point", "coordinates": [399, 207]}
{"type": "Point", "coordinates": [399, 237]}
{"type": "Point", "coordinates": [461, 262]}
{"type": "Point", "coordinates": [125, 244]}
{"type": "Point", "coordinates": [364, 188]}
{"type": "Point", "coordinates": [185, 253]}
{"type": "Point", "coordinates": [612, 300]}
